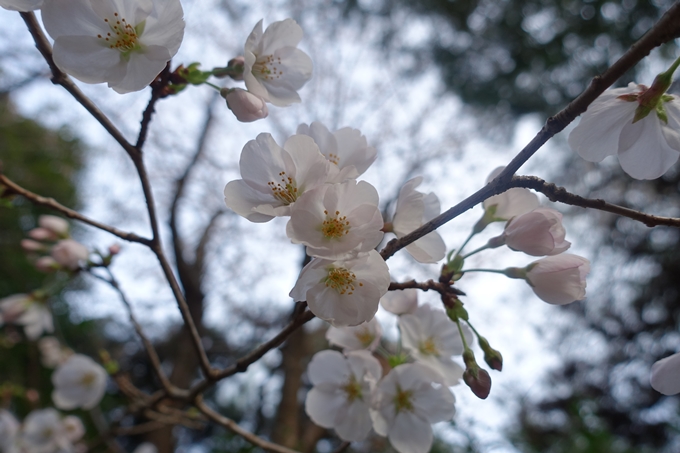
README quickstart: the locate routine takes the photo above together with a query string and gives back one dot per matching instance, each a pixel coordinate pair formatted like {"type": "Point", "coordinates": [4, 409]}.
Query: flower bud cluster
{"type": "Point", "coordinates": [52, 240]}
{"type": "Point", "coordinates": [559, 278]}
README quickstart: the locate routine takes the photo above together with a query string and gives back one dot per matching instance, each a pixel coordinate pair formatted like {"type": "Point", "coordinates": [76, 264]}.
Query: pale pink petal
{"type": "Point", "coordinates": [665, 377]}
{"type": "Point", "coordinates": [410, 433]}
{"type": "Point", "coordinates": [86, 59]}
{"type": "Point", "coordinates": [644, 152]}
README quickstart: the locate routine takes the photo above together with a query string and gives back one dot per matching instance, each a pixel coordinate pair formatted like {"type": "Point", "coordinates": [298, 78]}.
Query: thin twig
{"type": "Point", "coordinates": [156, 94]}
{"type": "Point", "coordinates": [560, 194]}
{"type": "Point", "coordinates": [14, 188]}
{"type": "Point", "coordinates": [234, 427]}
{"type": "Point", "coordinates": [665, 30]}
{"type": "Point", "coordinates": [148, 346]}
{"type": "Point", "coordinates": [60, 78]}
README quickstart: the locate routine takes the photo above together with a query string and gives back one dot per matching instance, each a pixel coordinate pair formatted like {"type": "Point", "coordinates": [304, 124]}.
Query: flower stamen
{"type": "Point", "coordinates": [286, 191]}
{"type": "Point", "coordinates": [125, 37]}
{"type": "Point", "coordinates": [335, 227]}
{"type": "Point", "coordinates": [341, 280]}
{"type": "Point", "coordinates": [267, 67]}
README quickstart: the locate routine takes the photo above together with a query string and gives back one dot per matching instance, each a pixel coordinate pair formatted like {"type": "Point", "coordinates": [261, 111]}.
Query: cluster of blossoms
{"type": "Point", "coordinates": [311, 179]}
{"type": "Point", "coordinates": [352, 394]}
{"type": "Point", "coordinates": [43, 431]}
{"type": "Point", "coordinates": [52, 238]}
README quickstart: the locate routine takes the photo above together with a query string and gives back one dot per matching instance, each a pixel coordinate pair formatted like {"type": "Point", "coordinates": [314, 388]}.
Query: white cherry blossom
{"type": "Point", "coordinates": [432, 338]}
{"type": "Point", "coordinates": [413, 210]}
{"type": "Point", "coordinates": [559, 279]}
{"type": "Point", "coordinates": [646, 148]}
{"type": "Point", "coordinates": [21, 5]}
{"type": "Point", "coordinates": [9, 428]}
{"type": "Point", "coordinates": [29, 311]}
{"type": "Point", "coordinates": [275, 177]}
{"type": "Point", "coordinates": [79, 382]}
{"type": "Point", "coordinates": [401, 301]}
{"type": "Point", "coordinates": [406, 403]}
{"type": "Point", "coordinates": [125, 43]}
{"type": "Point", "coordinates": [665, 377]}
{"type": "Point", "coordinates": [335, 221]}
{"type": "Point", "coordinates": [346, 148]}
{"type": "Point", "coordinates": [512, 202]}
{"type": "Point", "coordinates": [537, 233]}
{"type": "Point", "coordinates": [341, 396]}
{"type": "Point", "coordinates": [343, 292]}
{"type": "Point", "coordinates": [45, 432]}
{"type": "Point", "coordinates": [363, 336]}
{"type": "Point", "coordinates": [274, 68]}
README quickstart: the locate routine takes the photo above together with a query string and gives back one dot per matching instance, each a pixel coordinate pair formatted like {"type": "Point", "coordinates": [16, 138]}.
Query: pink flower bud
{"type": "Point", "coordinates": [237, 62]}
{"type": "Point", "coordinates": [246, 106]}
{"type": "Point", "coordinates": [42, 234]}
{"type": "Point", "coordinates": [32, 246]}
{"type": "Point", "coordinates": [114, 249]}
{"type": "Point", "coordinates": [537, 233]}
{"type": "Point", "coordinates": [68, 253]}
{"type": "Point", "coordinates": [479, 381]}
{"type": "Point", "coordinates": [55, 224]}
{"type": "Point", "coordinates": [559, 279]}
{"type": "Point", "coordinates": [46, 264]}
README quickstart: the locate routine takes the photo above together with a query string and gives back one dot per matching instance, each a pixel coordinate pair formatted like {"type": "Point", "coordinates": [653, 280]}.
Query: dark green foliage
{"type": "Point", "coordinates": [523, 56]}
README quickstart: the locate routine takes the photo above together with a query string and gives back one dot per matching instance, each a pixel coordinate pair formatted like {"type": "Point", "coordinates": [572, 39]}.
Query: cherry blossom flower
{"type": "Point", "coordinates": [42, 234]}
{"type": "Point", "coordinates": [246, 106]}
{"type": "Point", "coordinates": [343, 292]}
{"type": "Point", "coordinates": [78, 382]}
{"type": "Point", "coordinates": [413, 210]}
{"type": "Point", "coordinates": [73, 428]}
{"type": "Point", "coordinates": [665, 377]}
{"type": "Point", "coordinates": [335, 221]}
{"type": "Point", "coordinates": [363, 336]}
{"type": "Point", "coordinates": [646, 147]}
{"type": "Point", "coordinates": [69, 253]}
{"type": "Point", "coordinates": [537, 233]}
{"type": "Point", "coordinates": [559, 279]}
{"type": "Point", "coordinates": [45, 432]}
{"type": "Point", "coordinates": [512, 202]}
{"type": "Point", "coordinates": [52, 353]}
{"type": "Point", "coordinates": [400, 302]}
{"type": "Point", "coordinates": [341, 395]}
{"type": "Point", "coordinates": [274, 68]}
{"type": "Point", "coordinates": [346, 148]}
{"type": "Point", "coordinates": [55, 224]}
{"type": "Point", "coordinates": [27, 310]}
{"type": "Point", "coordinates": [407, 401]}
{"type": "Point", "coordinates": [432, 338]}
{"type": "Point", "coordinates": [9, 428]}
{"type": "Point", "coordinates": [274, 177]}
{"type": "Point", "coordinates": [21, 5]}
{"type": "Point", "coordinates": [125, 43]}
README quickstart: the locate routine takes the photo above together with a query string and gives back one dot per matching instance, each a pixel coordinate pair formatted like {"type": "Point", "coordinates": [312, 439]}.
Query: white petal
{"type": "Point", "coordinates": [328, 366]}
{"type": "Point", "coordinates": [648, 155]}
{"type": "Point", "coordinates": [435, 404]}
{"type": "Point", "coordinates": [142, 69]}
{"type": "Point", "coordinates": [323, 407]}
{"type": "Point", "coordinates": [355, 423]}
{"type": "Point", "coordinates": [410, 434]}
{"type": "Point", "coordinates": [665, 377]}
{"type": "Point", "coordinates": [72, 18]}
{"type": "Point", "coordinates": [428, 249]}
{"type": "Point", "coordinates": [165, 26]}
{"type": "Point", "coordinates": [243, 199]}
{"type": "Point", "coordinates": [86, 59]}
{"type": "Point", "coordinates": [280, 34]}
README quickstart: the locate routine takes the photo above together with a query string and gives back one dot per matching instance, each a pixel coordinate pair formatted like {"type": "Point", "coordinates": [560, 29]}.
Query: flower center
{"type": "Point", "coordinates": [353, 389]}
{"type": "Point", "coordinates": [123, 36]}
{"type": "Point", "coordinates": [285, 191]}
{"type": "Point", "coordinates": [267, 67]}
{"type": "Point", "coordinates": [334, 227]}
{"type": "Point", "coordinates": [88, 379]}
{"type": "Point", "coordinates": [402, 400]}
{"type": "Point", "coordinates": [365, 337]}
{"type": "Point", "coordinates": [341, 280]}
{"type": "Point", "coordinates": [428, 347]}
{"type": "Point", "coordinates": [333, 158]}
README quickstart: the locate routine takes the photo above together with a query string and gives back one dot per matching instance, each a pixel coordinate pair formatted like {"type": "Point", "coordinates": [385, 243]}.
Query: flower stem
{"type": "Point", "coordinates": [494, 271]}
{"type": "Point", "coordinates": [482, 248]}
{"type": "Point", "coordinates": [212, 85]}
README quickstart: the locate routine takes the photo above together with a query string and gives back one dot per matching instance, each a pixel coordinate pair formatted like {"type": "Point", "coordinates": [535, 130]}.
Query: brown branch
{"type": "Point", "coordinates": [234, 427]}
{"type": "Point", "coordinates": [148, 346]}
{"type": "Point", "coordinates": [665, 30]}
{"type": "Point", "coordinates": [560, 194]}
{"type": "Point", "coordinates": [60, 78]}
{"type": "Point", "coordinates": [14, 188]}
{"type": "Point", "coordinates": [157, 87]}
{"type": "Point", "coordinates": [253, 356]}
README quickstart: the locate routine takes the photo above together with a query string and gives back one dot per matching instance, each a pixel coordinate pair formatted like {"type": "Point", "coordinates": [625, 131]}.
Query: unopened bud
{"type": "Point", "coordinates": [42, 234]}
{"type": "Point", "coordinates": [55, 224]}
{"type": "Point", "coordinates": [47, 264]}
{"type": "Point", "coordinates": [247, 107]}
{"type": "Point", "coordinates": [114, 249]}
{"type": "Point", "coordinates": [492, 357]}
{"type": "Point", "coordinates": [479, 381]}
{"type": "Point", "coordinates": [32, 246]}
